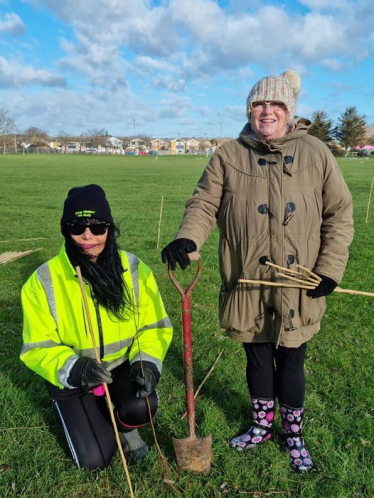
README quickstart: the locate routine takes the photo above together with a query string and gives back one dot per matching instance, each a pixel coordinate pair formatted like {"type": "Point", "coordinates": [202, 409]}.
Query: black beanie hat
{"type": "Point", "coordinates": [86, 202]}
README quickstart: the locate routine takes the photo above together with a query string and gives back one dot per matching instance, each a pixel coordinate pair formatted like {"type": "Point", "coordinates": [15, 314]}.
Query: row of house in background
{"type": "Point", "coordinates": [113, 145]}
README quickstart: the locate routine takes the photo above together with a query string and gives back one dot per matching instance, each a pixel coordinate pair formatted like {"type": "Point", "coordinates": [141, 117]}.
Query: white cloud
{"type": "Point", "coordinates": [194, 39]}
{"type": "Point", "coordinates": [169, 83]}
{"type": "Point", "coordinates": [75, 112]}
{"type": "Point", "coordinates": [237, 113]}
{"type": "Point", "coordinates": [136, 24]}
{"type": "Point", "coordinates": [205, 111]}
{"type": "Point", "coordinates": [332, 64]}
{"type": "Point", "coordinates": [15, 75]}
{"type": "Point", "coordinates": [326, 4]}
{"type": "Point", "coordinates": [174, 107]}
{"type": "Point", "coordinates": [152, 64]}
{"type": "Point", "coordinates": [139, 56]}
{"type": "Point", "coordinates": [12, 23]}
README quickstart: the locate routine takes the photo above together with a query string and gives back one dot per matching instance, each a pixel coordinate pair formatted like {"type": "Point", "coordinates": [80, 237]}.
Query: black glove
{"type": "Point", "coordinates": [177, 252]}
{"type": "Point", "coordinates": [149, 381]}
{"type": "Point", "coordinates": [324, 288]}
{"type": "Point", "coordinates": [87, 373]}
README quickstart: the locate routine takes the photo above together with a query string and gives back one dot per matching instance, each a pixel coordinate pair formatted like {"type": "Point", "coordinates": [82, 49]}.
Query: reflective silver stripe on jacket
{"type": "Point", "coordinates": [161, 324]}
{"type": "Point", "coordinates": [45, 277]}
{"type": "Point", "coordinates": [64, 372]}
{"type": "Point", "coordinates": [134, 263]}
{"type": "Point", "coordinates": [108, 349]}
{"type": "Point", "coordinates": [147, 357]}
{"type": "Point", "coordinates": [43, 344]}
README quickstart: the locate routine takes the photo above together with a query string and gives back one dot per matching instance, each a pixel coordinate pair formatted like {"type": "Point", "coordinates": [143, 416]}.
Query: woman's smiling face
{"type": "Point", "coordinates": [269, 121]}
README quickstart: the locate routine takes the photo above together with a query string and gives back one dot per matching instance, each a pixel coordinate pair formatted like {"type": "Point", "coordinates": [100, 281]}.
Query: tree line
{"type": "Point", "coordinates": [351, 130]}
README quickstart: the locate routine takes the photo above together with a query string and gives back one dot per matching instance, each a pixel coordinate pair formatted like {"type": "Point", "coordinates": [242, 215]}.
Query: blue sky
{"type": "Point", "coordinates": [178, 67]}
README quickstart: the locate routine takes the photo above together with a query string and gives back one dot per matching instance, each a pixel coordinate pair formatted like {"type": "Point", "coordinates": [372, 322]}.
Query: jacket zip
{"type": "Point", "coordinates": [282, 253]}
{"type": "Point", "coordinates": [100, 327]}
{"type": "Point", "coordinates": [99, 324]}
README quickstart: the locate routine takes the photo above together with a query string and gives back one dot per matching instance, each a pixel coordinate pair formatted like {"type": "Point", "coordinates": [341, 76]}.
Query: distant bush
{"type": "Point", "coordinates": [336, 149]}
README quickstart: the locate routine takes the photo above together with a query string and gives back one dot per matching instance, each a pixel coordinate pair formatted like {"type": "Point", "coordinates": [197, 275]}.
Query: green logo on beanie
{"type": "Point", "coordinates": [86, 213]}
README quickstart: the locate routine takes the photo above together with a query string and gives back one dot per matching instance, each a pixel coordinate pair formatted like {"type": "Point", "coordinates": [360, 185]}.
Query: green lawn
{"type": "Point", "coordinates": [34, 457]}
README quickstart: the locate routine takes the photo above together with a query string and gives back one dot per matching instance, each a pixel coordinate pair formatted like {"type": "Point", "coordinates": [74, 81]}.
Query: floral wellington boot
{"type": "Point", "coordinates": [260, 431]}
{"type": "Point", "coordinates": [292, 422]}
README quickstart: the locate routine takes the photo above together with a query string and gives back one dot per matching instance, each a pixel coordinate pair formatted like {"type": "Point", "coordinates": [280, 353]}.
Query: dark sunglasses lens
{"type": "Point", "coordinates": [75, 229]}
{"type": "Point", "coordinates": [78, 229]}
{"type": "Point", "coordinates": [98, 229]}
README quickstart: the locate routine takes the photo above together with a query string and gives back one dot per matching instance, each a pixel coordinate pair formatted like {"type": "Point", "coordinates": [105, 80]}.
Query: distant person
{"type": "Point", "coordinates": [276, 194]}
{"type": "Point", "coordinates": [131, 328]}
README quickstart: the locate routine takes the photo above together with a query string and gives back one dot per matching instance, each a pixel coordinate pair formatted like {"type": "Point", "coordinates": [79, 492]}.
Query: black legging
{"type": "Point", "coordinates": [277, 373]}
{"type": "Point", "coordinates": [86, 419]}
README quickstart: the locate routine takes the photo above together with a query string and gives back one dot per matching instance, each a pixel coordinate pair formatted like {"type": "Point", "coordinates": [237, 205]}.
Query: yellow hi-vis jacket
{"type": "Point", "coordinates": [55, 325]}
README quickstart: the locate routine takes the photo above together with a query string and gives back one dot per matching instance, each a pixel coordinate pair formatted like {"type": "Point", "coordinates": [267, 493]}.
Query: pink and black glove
{"type": "Point", "coordinates": [87, 373]}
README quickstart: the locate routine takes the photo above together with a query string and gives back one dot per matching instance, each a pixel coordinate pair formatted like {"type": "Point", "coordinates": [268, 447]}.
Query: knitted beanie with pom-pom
{"type": "Point", "coordinates": [283, 88]}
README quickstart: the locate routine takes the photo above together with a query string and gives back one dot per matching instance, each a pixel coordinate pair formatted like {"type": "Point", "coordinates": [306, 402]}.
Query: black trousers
{"type": "Point", "coordinates": [86, 418]}
{"type": "Point", "coordinates": [276, 373]}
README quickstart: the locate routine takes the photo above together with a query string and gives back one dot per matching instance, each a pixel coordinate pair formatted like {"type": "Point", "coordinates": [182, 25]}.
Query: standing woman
{"type": "Point", "coordinates": [277, 195]}
{"type": "Point", "coordinates": [130, 324]}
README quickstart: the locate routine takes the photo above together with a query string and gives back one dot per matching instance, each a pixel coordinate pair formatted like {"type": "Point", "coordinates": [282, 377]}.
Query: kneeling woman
{"type": "Point", "coordinates": [130, 324]}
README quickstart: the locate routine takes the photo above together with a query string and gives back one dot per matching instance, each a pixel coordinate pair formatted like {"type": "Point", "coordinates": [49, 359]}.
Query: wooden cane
{"type": "Point", "coordinates": [311, 279]}
{"type": "Point", "coordinates": [368, 208]}
{"type": "Point", "coordinates": [313, 276]}
{"type": "Point", "coordinates": [273, 265]}
{"type": "Point", "coordinates": [353, 292]}
{"type": "Point", "coordinates": [97, 356]}
{"type": "Point", "coordinates": [300, 280]}
{"type": "Point", "coordinates": [280, 284]}
{"type": "Point", "coordinates": [159, 223]}
{"type": "Point", "coordinates": [274, 284]}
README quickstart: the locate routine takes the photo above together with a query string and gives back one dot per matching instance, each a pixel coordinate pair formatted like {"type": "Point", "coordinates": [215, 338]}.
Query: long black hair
{"type": "Point", "coordinates": [105, 275]}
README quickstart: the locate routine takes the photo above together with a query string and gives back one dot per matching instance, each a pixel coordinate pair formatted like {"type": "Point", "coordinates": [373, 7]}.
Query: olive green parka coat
{"type": "Point", "coordinates": [282, 200]}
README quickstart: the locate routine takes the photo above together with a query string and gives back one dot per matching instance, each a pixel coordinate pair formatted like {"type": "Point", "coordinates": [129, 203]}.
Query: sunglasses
{"type": "Point", "coordinates": [95, 228]}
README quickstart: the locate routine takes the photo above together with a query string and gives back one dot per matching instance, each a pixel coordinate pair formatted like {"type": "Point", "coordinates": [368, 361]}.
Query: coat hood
{"type": "Point", "coordinates": [299, 128]}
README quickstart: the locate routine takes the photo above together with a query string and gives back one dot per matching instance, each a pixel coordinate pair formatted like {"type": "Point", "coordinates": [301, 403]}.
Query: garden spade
{"type": "Point", "coordinates": [192, 453]}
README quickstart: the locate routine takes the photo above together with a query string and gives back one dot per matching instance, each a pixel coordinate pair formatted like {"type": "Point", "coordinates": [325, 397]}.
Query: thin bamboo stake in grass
{"type": "Point", "coordinates": [21, 240]}
{"type": "Point", "coordinates": [8, 257]}
{"type": "Point", "coordinates": [205, 379]}
{"type": "Point", "coordinates": [371, 190]}
{"type": "Point", "coordinates": [159, 223]}
{"type": "Point", "coordinates": [164, 461]}
{"type": "Point", "coordinates": [110, 406]}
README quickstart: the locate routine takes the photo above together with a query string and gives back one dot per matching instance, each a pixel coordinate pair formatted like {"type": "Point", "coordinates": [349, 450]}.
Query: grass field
{"type": "Point", "coordinates": [339, 426]}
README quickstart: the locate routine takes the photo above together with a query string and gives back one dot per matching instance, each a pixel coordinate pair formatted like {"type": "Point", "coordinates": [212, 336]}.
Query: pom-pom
{"type": "Point", "coordinates": [294, 79]}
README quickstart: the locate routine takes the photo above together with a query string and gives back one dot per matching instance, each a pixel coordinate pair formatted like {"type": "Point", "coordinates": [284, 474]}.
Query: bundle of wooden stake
{"type": "Point", "coordinates": [304, 279]}
{"type": "Point", "coordinates": [8, 257]}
